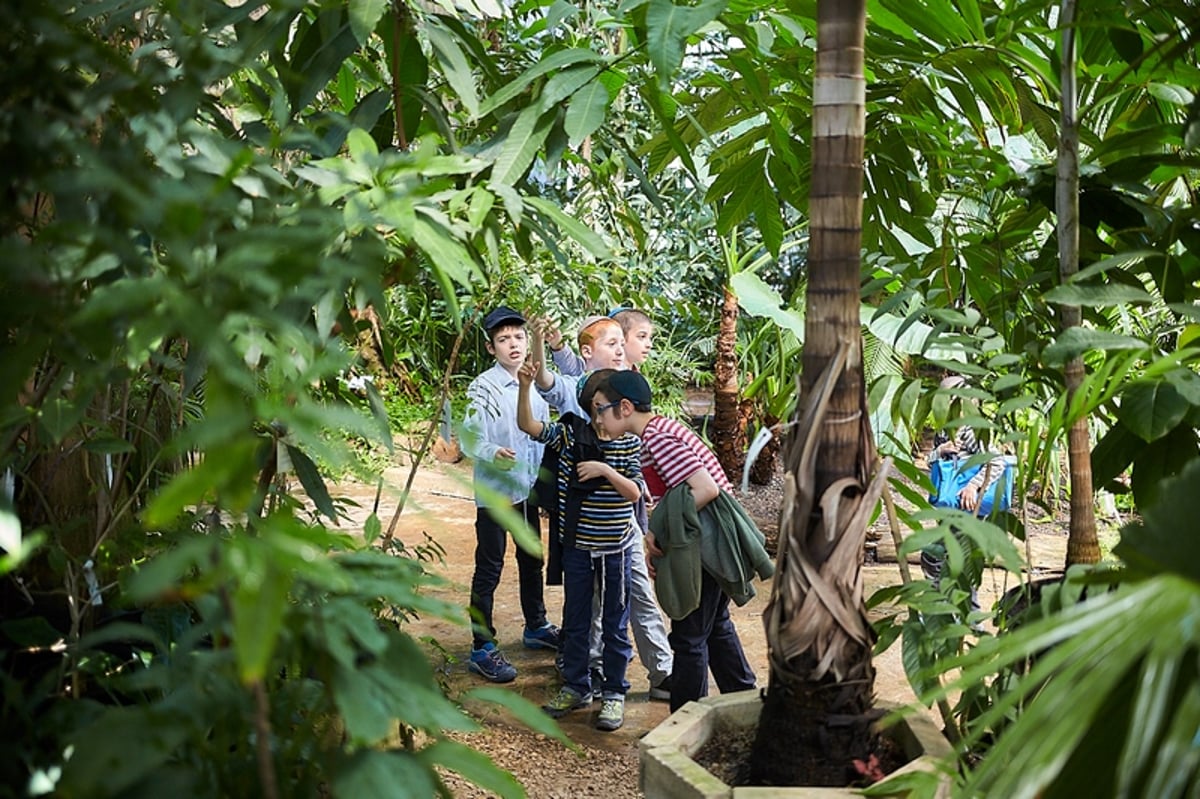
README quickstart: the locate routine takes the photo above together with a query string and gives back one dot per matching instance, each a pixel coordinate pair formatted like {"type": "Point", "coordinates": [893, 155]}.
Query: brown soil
{"type": "Point", "coordinates": [604, 764]}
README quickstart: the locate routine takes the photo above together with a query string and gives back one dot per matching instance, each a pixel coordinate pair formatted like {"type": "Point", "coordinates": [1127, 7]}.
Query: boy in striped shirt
{"type": "Point", "coordinates": [598, 481]}
{"type": "Point", "coordinates": [705, 637]}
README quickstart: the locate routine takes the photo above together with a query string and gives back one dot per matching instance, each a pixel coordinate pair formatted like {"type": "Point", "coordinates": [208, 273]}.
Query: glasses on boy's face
{"type": "Point", "coordinates": [599, 410]}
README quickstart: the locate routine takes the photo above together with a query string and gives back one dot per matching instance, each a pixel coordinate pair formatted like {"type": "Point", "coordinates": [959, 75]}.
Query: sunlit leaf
{"type": "Point", "coordinates": [586, 111]}
{"type": "Point", "coordinates": [759, 299]}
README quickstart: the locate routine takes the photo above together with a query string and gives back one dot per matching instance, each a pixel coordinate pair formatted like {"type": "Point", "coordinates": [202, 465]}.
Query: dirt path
{"type": "Point", "coordinates": [441, 506]}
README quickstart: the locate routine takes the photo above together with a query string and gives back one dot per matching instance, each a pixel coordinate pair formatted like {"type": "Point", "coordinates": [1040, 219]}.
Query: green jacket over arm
{"type": "Point", "coordinates": [722, 539]}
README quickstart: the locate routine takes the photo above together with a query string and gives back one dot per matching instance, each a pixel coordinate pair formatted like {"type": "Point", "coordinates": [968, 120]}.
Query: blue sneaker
{"type": "Point", "coordinates": [545, 637]}
{"type": "Point", "coordinates": [491, 664]}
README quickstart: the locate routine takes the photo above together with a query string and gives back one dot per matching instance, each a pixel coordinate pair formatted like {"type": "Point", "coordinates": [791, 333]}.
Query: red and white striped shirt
{"type": "Point", "coordinates": [675, 453]}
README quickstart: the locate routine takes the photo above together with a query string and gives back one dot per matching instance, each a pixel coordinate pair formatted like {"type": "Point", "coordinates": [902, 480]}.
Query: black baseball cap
{"type": "Point", "coordinates": [500, 316]}
{"type": "Point", "coordinates": [630, 385]}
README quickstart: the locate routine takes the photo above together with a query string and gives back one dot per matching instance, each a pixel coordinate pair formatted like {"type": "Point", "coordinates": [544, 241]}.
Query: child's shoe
{"type": "Point", "coordinates": [565, 701]}
{"type": "Point", "coordinates": [491, 664]}
{"type": "Point", "coordinates": [612, 715]}
{"type": "Point", "coordinates": [545, 637]}
{"type": "Point", "coordinates": [662, 691]}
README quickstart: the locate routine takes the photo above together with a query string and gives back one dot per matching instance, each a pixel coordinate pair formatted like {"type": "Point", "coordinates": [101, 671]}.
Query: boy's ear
{"type": "Point", "coordinates": [491, 349]}
{"type": "Point", "coordinates": [585, 351]}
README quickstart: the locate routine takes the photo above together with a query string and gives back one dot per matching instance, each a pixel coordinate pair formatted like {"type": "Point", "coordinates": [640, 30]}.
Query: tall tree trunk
{"type": "Point", "coordinates": [728, 434]}
{"type": "Point", "coordinates": [819, 699]}
{"type": "Point", "coordinates": [1083, 546]}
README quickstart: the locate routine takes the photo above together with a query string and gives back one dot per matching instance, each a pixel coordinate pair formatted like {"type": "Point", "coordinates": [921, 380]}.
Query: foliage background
{"type": "Point", "coordinates": [217, 215]}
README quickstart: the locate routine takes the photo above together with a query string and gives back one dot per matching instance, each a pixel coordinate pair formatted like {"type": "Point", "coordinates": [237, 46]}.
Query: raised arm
{"type": "Point", "coordinates": [537, 352]}
{"type": "Point", "coordinates": [525, 418]}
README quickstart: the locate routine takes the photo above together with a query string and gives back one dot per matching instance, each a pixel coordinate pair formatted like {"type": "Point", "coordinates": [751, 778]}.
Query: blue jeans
{"type": "Point", "coordinates": [584, 576]}
{"type": "Point", "coordinates": [490, 543]}
{"type": "Point", "coordinates": [646, 619]}
{"type": "Point", "coordinates": [706, 639]}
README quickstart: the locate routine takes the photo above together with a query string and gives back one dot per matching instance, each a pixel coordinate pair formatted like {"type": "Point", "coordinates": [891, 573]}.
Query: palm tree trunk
{"type": "Point", "coordinates": [1083, 545]}
{"type": "Point", "coordinates": [728, 433]}
{"type": "Point", "coordinates": [817, 710]}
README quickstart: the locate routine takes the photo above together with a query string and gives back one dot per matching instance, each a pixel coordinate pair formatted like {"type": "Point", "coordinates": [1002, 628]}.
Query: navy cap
{"type": "Point", "coordinates": [632, 386]}
{"type": "Point", "coordinates": [502, 315]}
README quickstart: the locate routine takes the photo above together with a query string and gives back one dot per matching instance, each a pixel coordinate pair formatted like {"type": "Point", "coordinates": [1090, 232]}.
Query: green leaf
{"type": "Point", "coordinates": [525, 712]}
{"type": "Point", "coordinates": [565, 84]}
{"type": "Point", "coordinates": [385, 775]}
{"type": "Point", "coordinates": [364, 16]}
{"type": "Point", "coordinates": [550, 64]}
{"type": "Point", "coordinates": [1186, 382]}
{"type": "Point", "coordinates": [455, 67]}
{"type": "Point", "coordinates": [1153, 544]}
{"type": "Point", "coordinates": [398, 684]}
{"type": "Point", "coordinates": [60, 416]}
{"type": "Point", "coordinates": [667, 28]}
{"type": "Point", "coordinates": [586, 112]}
{"type": "Point", "coordinates": [768, 217]}
{"type": "Point", "coordinates": [410, 73]}
{"type": "Point", "coordinates": [1078, 340]}
{"type": "Point", "coordinates": [451, 262]}
{"type": "Point", "coordinates": [1159, 461]}
{"type": "Point", "coordinates": [372, 529]}
{"type": "Point", "coordinates": [1151, 410]}
{"type": "Point", "coordinates": [259, 603]}
{"type": "Point", "coordinates": [202, 482]}
{"type": "Point", "coordinates": [380, 414]}
{"type": "Point", "coordinates": [1098, 296]}
{"type": "Point", "coordinates": [310, 477]}
{"type": "Point", "coordinates": [759, 299]}
{"type": "Point", "coordinates": [474, 766]}
{"type": "Point", "coordinates": [317, 56]}
{"type": "Point", "coordinates": [583, 234]}
{"type": "Point", "coordinates": [17, 547]}
{"type": "Point", "coordinates": [521, 145]}
{"type": "Point", "coordinates": [123, 746]}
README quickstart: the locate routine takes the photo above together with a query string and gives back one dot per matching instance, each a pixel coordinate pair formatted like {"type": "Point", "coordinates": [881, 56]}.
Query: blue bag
{"type": "Point", "coordinates": [949, 475]}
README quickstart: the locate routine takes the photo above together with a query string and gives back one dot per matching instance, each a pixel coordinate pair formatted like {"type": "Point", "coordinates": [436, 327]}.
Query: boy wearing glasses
{"type": "Point", "coordinates": [598, 481]}
{"type": "Point", "coordinates": [713, 550]}
{"type": "Point", "coordinates": [621, 341]}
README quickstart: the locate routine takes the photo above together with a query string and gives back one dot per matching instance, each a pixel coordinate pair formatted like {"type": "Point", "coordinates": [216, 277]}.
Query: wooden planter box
{"type": "Point", "coordinates": [667, 770]}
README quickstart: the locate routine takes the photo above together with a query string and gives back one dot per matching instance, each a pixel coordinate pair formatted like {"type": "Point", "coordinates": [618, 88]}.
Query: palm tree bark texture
{"type": "Point", "coordinates": [728, 428]}
{"type": "Point", "coordinates": [1083, 544]}
{"type": "Point", "coordinates": [817, 712]}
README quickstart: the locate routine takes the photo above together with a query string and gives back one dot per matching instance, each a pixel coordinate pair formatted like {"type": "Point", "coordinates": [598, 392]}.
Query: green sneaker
{"type": "Point", "coordinates": [612, 715]}
{"type": "Point", "coordinates": [565, 701]}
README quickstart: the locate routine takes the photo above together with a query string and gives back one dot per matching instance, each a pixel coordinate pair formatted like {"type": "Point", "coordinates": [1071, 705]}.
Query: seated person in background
{"type": "Point", "coordinates": [963, 444]}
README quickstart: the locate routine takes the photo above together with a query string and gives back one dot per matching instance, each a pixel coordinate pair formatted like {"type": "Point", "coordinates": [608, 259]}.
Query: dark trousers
{"type": "Point", "coordinates": [491, 540]}
{"type": "Point", "coordinates": [706, 639]}
{"type": "Point", "coordinates": [584, 577]}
